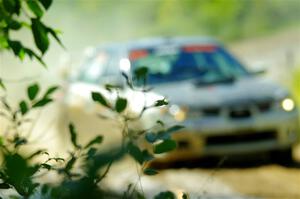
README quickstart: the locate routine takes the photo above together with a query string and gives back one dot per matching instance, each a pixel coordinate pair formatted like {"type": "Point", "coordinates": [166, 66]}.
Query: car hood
{"type": "Point", "coordinates": [245, 89]}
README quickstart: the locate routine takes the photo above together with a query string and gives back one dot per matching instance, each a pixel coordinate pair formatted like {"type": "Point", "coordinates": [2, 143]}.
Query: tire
{"type": "Point", "coordinates": [283, 156]}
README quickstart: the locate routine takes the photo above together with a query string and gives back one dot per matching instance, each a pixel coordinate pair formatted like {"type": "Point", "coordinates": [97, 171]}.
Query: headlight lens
{"type": "Point", "coordinates": [179, 113]}
{"type": "Point", "coordinates": [288, 104]}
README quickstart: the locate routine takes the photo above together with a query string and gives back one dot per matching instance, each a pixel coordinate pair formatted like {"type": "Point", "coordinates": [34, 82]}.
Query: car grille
{"type": "Point", "coordinates": [264, 106]}
{"type": "Point", "coordinates": [205, 111]}
{"type": "Point", "coordinates": [240, 137]}
{"type": "Point", "coordinates": [211, 111]}
{"type": "Point", "coordinates": [238, 110]}
{"type": "Point", "coordinates": [242, 113]}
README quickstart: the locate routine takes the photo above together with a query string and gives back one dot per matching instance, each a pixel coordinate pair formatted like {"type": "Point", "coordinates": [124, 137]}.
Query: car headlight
{"type": "Point", "coordinates": [178, 113]}
{"type": "Point", "coordinates": [287, 104]}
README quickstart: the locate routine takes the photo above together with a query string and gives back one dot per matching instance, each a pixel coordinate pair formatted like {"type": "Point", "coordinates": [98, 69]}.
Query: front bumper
{"type": "Point", "coordinates": [224, 136]}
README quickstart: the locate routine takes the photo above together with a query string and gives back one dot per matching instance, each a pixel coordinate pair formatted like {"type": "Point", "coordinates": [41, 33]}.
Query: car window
{"type": "Point", "coordinates": [101, 64]}
{"type": "Point", "coordinates": [209, 63]}
{"type": "Point", "coordinates": [113, 65]}
{"type": "Point", "coordinates": [158, 64]}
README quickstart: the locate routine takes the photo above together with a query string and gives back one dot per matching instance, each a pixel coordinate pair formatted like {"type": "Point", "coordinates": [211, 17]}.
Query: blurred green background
{"type": "Point", "coordinates": [85, 23]}
{"type": "Point", "coordinates": [90, 22]}
{"type": "Point", "coordinates": [93, 21]}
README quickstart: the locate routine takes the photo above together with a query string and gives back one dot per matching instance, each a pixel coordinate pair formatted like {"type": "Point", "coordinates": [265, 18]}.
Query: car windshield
{"type": "Point", "coordinates": [100, 63]}
{"type": "Point", "coordinates": [206, 63]}
{"type": "Point", "coordinates": [92, 68]}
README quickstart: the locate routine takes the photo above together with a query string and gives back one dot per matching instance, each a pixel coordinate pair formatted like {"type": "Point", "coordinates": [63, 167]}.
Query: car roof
{"type": "Point", "coordinates": [125, 47]}
{"type": "Point", "coordinates": [109, 46]}
{"type": "Point", "coordinates": [176, 41]}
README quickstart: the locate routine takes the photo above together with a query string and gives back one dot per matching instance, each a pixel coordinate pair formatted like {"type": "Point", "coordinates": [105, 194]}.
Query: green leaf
{"type": "Point", "coordinates": [50, 91]}
{"type": "Point", "coordinates": [163, 135]}
{"type": "Point", "coordinates": [18, 141]}
{"type": "Point", "coordinates": [46, 166]}
{"type": "Point", "coordinates": [3, 41]}
{"type": "Point", "coordinates": [150, 171]}
{"type": "Point", "coordinates": [32, 54]}
{"type": "Point", "coordinates": [21, 54]}
{"type": "Point", "coordinates": [73, 134]}
{"type": "Point", "coordinates": [4, 185]}
{"type": "Point", "coordinates": [54, 34]}
{"type": "Point", "coordinates": [9, 5]}
{"type": "Point", "coordinates": [45, 188]}
{"type": "Point", "coordinates": [35, 8]}
{"type": "Point", "coordinates": [185, 196]}
{"type": "Point", "coordinates": [96, 140]}
{"type": "Point", "coordinates": [23, 107]}
{"type": "Point", "coordinates": [175, 128]}
{"type": "Point", "coordinates": [110, 87]}
{"type": "Point", "coordinates": [16, 46]}
{"type": "Point", "coordinates": [32, 91]}
{"type": "Point", "coordinates": [160, 122]}
{"type": "Point", "coordinates": [141, 72]}
{"type": "Point", "coordinates": [2, 84]}
{"type": "Point", "coordinates": [1, 141]}
{"type": "Point", "coordinates": [18, 7]}
{"type": "Point", "coordinates": [19, 173]}
{"type": "Point", "coordinates": [147, 156]}
{"type": "Point", "coordinates": [136, 153]}
{"type": "Point", "coordinates": [161, 102]}
{"type": "Point", "coordinates": [25, 24]}
{"type": "Point", "coordinates": [70, 164]}
{"type": "Point", "coordinates": [165, 195]}
{"type": "Point", "coordinates": [42, 102]}
{"type": "Point", "coordinates": [151, 137]}
{"type": "Point", "coordinates": [91, 152]}
{"type": "Point", "coordinates": [166, 134]}
{"type": "Point", "coordinates": [40, 35]}
{"type": "Point", "coordinates": [140, 76]}
{"type": "Point", "coordinates": [6, 105]}
{"type": "Point", "coordinates": [98, 97]}
{"type": "Point", "coordinates": [165, 146]}
{"type": "Point", "coordinates": [15, 25]}
{"type": "Point", "coordinates": [37, 153]}
{"type": "Point", "coordinates": [121, 104]}
{"type": "Point", "coordinates": [46, 3]}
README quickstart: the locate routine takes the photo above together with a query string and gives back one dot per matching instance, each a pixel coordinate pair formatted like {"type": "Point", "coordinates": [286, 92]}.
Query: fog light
{"type": "Point", "coordinates": [178, 113]}
{"type": "Point", "coordinates": [180, 116]}
{"type": "Point", "coordinates": [288, 104]}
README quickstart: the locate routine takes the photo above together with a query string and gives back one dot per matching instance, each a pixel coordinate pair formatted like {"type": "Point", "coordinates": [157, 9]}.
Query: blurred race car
{"type": "Point", "coordinates": [225, 108]}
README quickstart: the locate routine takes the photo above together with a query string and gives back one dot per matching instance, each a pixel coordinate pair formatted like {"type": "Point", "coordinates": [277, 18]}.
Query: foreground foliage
{"type": "Point", "coordinates": [16, 15]}
{"type": "Point", "coordinates": [81, 172]}
{"type": "Point", "coordinates": [295, 84]}
{"type": "Point", "coordinates": [85, 167]}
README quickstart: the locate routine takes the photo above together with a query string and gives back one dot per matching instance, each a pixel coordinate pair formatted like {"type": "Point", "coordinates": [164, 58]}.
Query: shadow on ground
{"type": "Point", "coordinates": [226, 162]}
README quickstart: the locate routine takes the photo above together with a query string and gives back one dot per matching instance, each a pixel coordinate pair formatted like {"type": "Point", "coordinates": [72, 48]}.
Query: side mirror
{"type": "Point", "coordinates": [259, 71]}
{"type": "Point", "coordinates": [258, 68]}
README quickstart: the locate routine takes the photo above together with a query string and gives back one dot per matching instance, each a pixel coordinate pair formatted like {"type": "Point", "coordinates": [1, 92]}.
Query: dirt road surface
{"type": "Point", "coordinates": [240, 179]}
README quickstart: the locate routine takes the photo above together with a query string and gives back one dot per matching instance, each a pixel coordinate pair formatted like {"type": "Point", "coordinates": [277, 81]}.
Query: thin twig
{"type": "Point", "coordinates": [33, 124]}
{"type": "Point", "coordinates": [211, 176]}
{"type": "Point", "coordinates": [105, 172]}
{"type": "Point", "coordinates": [139, 178]}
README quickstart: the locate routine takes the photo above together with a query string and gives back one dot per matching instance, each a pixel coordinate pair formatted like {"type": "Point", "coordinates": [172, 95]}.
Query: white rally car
{"type": "Point", "coordinates": [225, 108]}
